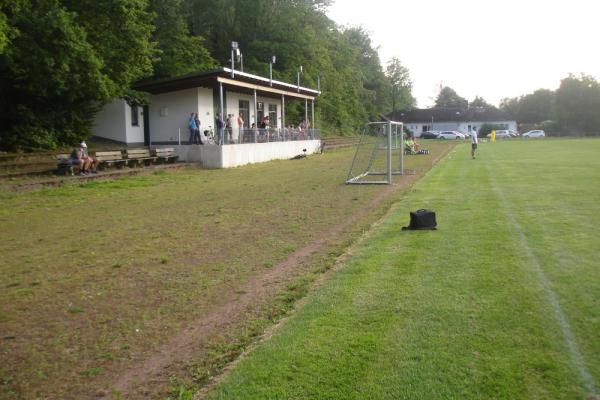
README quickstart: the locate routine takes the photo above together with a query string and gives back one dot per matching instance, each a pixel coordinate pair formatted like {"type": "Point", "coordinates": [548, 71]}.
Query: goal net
{"type": "Point", "coordinates": [379, 154]}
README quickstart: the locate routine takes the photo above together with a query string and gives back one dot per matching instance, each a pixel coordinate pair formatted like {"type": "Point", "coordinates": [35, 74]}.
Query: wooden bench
{"type": "Point", "coordinates": [165, 154]}
{"type": "Point", "coordinates": [139, 157]}
{"type": "Point", "coordinates": [64, 165]}
{"type": "Point", "coordinates": [109, 158]}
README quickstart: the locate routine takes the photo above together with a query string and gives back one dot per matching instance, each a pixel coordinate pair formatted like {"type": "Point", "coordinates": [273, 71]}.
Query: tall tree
{"type": "Point", "coordinates": [536, 107]}
{"type": "Point", "coordinates": [480, 102]}
{"type": "Point", "coordinates": [448, 98]}
{"type": "Point", "coordinates": [179, 51]}
{"type": "Point", "coordinates": [401, 85]}
{"type": "Point", "coordinates": [510, 105]}
{"type": "Point", "coordinates": [63, 61]}
{"type": "Point", "coordinates": [577, 104]}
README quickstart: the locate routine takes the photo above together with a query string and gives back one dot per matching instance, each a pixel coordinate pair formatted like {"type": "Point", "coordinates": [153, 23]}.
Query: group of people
{"type": "Point", "coordinates": [81, 158]}
{"type": "Point", "coordinates": [226, 129]}
{"type": "Point", "coordinates": [231, 129]}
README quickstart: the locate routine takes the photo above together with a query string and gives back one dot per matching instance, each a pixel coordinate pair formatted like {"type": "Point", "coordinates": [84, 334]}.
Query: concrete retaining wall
{"type": "Point", "coordinates": [235, 155]}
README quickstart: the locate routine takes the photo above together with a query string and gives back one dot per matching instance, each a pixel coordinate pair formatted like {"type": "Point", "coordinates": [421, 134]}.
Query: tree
{"type": "Point", "coordinates": [577, 104]}
{"type": "Point", "coordinates": [510, 106]}
{"type": "Point", "coordinates": [179, 51]}
{"type": "Point", "coordinates": [536, 107]}
{"type": "Point", "coordinates": [401, 85]}
{"type": "Point", "coordinates": [448, 98]}
{"type": "Point", "coordinates": [480, 102]}
{"type": "Point", "coordinates": [64, 60]}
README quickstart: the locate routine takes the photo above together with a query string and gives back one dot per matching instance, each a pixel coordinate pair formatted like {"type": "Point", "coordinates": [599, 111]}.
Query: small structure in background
{"type": "Point", "coordinates": [466, 120]}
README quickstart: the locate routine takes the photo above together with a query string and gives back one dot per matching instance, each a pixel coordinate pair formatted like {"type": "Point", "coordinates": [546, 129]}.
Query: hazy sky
{"type": "Point", "coordinates": [494, 49]}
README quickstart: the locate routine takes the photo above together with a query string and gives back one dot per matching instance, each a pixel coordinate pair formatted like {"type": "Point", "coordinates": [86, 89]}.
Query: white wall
{"type": "Point", "coordinates": [416, 127]}
{"type": "Point", "coordinates": [464, 126]}
{"type": "Point", "coordinates": [206, 108]}
{"type": "Point", "coordinates": [235, 155]}
{"type": "Point", "coordinates": [169, 112]}
{"type": "Point", "coordinates": [110, 121]}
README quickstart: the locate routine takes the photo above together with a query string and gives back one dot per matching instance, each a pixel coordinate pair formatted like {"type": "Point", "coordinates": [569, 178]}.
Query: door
{"type": "Point", "coordinates": [244, 107]}
{"type": "Point", "coordinates": [146, 126]}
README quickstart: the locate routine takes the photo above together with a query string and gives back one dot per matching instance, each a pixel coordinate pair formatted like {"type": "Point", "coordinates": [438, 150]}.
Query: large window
{"type": "Point", "coordinates": [273, 115]}
{"type": "Point", "coordinates": [135, 116]}
{"type": "Point", "coordinates": [244, 106]}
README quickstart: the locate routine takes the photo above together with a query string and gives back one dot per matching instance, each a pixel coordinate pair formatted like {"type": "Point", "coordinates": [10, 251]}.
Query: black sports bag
{"type": "Point", "coordinates": [422, 219]}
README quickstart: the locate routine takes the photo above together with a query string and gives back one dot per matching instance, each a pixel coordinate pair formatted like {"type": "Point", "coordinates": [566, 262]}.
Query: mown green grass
{"type": "Point", "coordinates": [502, 301]}
{"type": "Point", "coordinates": [96, 276]}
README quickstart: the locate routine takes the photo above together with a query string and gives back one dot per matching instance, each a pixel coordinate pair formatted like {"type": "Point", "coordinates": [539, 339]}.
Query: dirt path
{"type": "Point", "coordinates": [178, 350]}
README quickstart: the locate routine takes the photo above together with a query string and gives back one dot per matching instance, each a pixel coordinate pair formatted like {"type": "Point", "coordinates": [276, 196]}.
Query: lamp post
{"type": "Point", "coordinates": [234, 49]}
{"type": "Point", "coordinates": [273, 60]}
{"type": "Point", "coordinates": [298, 77]}
{"type": "Point", "coordinates": [432, 122]}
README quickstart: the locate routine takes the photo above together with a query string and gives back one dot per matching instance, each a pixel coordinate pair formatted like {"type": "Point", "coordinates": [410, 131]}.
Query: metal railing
{"type": "Point", "coordinates": [257, 135]}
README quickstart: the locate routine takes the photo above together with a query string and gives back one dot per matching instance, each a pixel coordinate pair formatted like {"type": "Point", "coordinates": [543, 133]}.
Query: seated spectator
{"type": "Point", "coordinates": [93, 162]}
{"type": "Point", "coordinates": [77, 159]}
{"type": "Point", "coordinates": [409, 145]}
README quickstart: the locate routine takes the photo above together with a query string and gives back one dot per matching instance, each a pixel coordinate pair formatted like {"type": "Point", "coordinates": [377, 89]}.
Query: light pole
{"type": "Point", "coordinates": [273, 60]}
{"type": "Point", "coordinates": [298, 77]}
{"type": "Point", "coordinates": [432, 122]}
{"type": "Point", "coordinates": [234, 49]}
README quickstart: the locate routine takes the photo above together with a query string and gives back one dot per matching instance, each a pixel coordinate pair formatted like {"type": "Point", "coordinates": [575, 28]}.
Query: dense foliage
{"type": "Point", "coordinates": [448, 98]}
{"type": "Point", "coordinates": [480, 102]}
{"type": "Point", "coordinates": [571, 109]}
{"type": "Point", "coordinates": [61, 60]}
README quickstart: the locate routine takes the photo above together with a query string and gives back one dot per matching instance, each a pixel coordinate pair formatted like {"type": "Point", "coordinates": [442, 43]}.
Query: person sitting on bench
{"type": "Point", "coordinates": [92, 161]}
{"type": "Point", "coordinates": [78, 159]}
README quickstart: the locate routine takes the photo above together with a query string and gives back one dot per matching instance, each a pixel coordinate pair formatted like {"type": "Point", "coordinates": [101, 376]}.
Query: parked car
{"type": "Point", "coordinates": [430, 135]}
{"type": "Point", "coordinates": [513, 133]}
{"type": "Point", "coordinates": [534, 134]}
{"type": "Point", "coordinates": [451, 135]}
{"type": "Point", "coordinates": [501, 134]}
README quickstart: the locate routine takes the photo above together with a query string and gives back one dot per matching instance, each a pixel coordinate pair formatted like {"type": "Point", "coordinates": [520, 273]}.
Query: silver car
{"type": "Point", "coordinates": [451, 135]}
{"type": "Point", "coordinates": [537, 133]}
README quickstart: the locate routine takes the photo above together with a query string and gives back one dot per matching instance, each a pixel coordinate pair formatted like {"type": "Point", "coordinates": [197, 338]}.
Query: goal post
{"type": "Point", "coordinates": [379, 154]}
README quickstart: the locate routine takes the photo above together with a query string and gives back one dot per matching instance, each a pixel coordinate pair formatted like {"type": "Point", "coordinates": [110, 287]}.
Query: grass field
{"type": "Point", "coordinates": [95, 278]}
{"type": "Point", "coordinates": [501, 302]}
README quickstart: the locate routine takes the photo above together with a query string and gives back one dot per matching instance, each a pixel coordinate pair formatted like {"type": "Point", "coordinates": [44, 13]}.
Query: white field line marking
{"type": "Point", "coordinates": [578, 361]}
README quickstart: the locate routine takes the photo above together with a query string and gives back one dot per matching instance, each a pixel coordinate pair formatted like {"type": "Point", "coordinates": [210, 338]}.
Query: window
{"type": "Point", "coordinates": [244, 106]}
{"type": "Point", "coordinates": [273, 115]}
{"type": "Point", "coordinates": [135, 116]}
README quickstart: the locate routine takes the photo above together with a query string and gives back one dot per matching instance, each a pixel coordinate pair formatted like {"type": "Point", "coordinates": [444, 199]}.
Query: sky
{"type": "Point", "coordinates": [492, 49]}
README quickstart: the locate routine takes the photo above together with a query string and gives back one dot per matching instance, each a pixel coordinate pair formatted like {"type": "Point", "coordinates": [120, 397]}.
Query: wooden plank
{"type": "Point", "coordinates": [140, 153]}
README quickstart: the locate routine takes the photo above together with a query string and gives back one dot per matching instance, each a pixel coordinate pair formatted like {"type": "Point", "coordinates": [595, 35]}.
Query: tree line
{"type": "Point", "coordinates": [572, 109]}
{"type": "Point", "coordinates": [62, 60]}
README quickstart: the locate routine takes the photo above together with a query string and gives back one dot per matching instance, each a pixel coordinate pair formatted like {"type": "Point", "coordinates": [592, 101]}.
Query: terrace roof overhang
{"type": "Point", "coordinates": [240, 82]}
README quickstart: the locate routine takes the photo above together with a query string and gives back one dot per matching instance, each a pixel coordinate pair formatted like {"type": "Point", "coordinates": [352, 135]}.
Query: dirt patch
{"type": "Point", "coordinates": [143, 377]}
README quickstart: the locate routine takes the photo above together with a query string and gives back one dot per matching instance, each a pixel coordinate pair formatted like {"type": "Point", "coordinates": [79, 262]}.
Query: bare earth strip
{"type": "Point", "coordinates": [138, 379]}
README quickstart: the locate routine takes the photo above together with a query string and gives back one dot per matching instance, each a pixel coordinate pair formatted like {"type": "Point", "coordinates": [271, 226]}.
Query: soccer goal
{"type": "Point", "coordinates": [379, 154]}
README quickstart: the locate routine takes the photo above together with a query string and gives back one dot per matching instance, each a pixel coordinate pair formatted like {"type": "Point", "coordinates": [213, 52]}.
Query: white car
{"type": "Point", "coordinates": [501, 134]}
{"type": "Point", "coordinates": [534, 134]}
{"type": "Point", "coordinates": [451, 135]}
